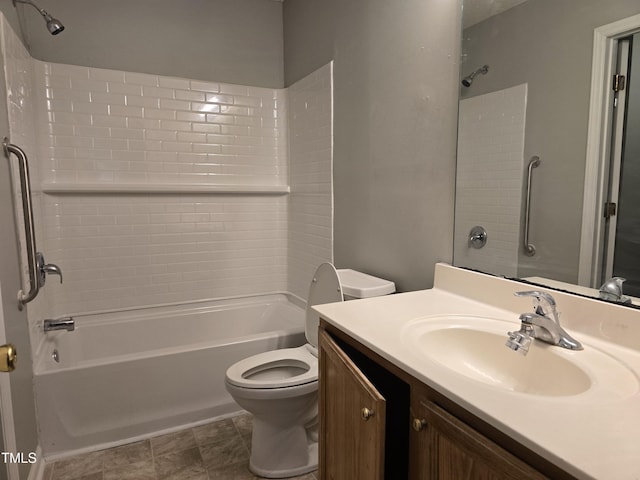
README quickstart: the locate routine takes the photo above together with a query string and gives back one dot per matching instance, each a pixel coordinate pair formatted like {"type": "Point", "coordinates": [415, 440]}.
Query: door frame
{"type": "Point", "coordinates": [615, 163]}
{"type": "Point", "coordinates": [6, 408]}
{"type": "Point", "coordinates": [605, 43]}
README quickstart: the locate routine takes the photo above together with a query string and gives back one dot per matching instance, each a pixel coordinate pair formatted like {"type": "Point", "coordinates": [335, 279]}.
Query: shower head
{"type": "Point", "coordinates": [468, 80]}
{"type": "Point", "coordinates": [54, 25]}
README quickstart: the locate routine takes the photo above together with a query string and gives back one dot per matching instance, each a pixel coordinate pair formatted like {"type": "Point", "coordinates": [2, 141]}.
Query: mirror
{"type": "Point", "coordinates": [528, 66]}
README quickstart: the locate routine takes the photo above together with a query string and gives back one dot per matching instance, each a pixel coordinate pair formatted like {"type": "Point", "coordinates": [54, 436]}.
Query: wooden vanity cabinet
{"type": "Point", "coordinates": [445, 448]}
{"type": "Point", "coordinates": [379, 423]}
{"type": "Point", "coordinates": [353, 419]}
{"type": "Point", "coordinates": [363, 410]}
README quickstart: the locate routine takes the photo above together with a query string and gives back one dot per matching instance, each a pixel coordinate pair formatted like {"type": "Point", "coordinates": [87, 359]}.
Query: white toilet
{"type": "Point", "coordinates": [280, 387]}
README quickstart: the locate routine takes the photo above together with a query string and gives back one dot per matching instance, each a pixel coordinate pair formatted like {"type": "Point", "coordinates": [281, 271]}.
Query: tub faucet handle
{"type": "Point", "coordinates": [51, 269]}
{"type": "Point", "coordinates": [47, 269]}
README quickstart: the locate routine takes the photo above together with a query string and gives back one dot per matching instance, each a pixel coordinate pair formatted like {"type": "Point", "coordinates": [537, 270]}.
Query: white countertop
{"type": "Point", "coordinates": [592, 435]}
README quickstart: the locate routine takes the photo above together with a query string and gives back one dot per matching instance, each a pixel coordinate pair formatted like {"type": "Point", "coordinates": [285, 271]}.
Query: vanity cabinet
{"type": "Point", "coordinates": [445, 448]}
{"type": "Point", "coordinates": [378, 422]}
{"type": "Point", "coordinates": [353, 419]}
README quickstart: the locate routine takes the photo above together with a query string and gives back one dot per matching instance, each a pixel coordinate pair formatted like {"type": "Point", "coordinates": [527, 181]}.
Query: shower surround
{"type": "Point", "coordinates": [158, 190]}
{"type": "Point", "coordinates": [211, 161]}
{"type": "Point", "coordinates": [489, 179]}
{"type": "Point", "coordinates": [154, 191]}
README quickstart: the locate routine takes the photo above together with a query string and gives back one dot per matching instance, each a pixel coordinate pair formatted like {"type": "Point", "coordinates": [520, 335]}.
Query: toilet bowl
{"type": "Point", "coordinates": [280, 387]}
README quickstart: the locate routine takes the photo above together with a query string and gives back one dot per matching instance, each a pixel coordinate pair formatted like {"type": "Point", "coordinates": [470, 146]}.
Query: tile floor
{"type": "Point", "coordinates": [215, 451]}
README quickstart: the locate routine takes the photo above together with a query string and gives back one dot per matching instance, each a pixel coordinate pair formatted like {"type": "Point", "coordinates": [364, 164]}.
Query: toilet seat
{"type": "Point", "coordinates": [324, 288]}
{"type": "Point", "coordinates": [290, 367]}
{"type": "Point", "coordinates": [286, 367]}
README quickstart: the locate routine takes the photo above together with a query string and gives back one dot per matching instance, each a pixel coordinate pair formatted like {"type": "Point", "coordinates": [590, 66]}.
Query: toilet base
{"type": "Point", "coordinates": [285, 443]}
{"type": "Point", "coordinates": [291, 472]}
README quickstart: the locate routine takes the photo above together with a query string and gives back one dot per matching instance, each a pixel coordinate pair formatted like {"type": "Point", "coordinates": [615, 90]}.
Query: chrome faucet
{"type": "Point", "coordinates": [544, 325]}
{"type": "Point", "coordinates": [612, 290]}
{"type": "Point", "coordinates": [45, 269]}
{"type": "Point", "coordinates": [64, 323]}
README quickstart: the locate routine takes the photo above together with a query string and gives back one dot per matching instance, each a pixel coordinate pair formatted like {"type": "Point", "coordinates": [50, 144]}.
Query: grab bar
{"type": "Point", "coordinates": [38, 269]}
{"type": "Point", "coordinates": [529, 249]}
{"type": "Point", "coordinates": [27, 212]}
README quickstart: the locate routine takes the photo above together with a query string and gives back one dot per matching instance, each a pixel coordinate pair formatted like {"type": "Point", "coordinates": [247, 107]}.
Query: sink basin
{"type": "Point", "coordinates": [475, 348]}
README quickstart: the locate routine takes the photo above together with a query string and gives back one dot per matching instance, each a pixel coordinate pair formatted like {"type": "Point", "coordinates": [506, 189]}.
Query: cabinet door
{"type": "Point", "coordinates": [352, 418]}
{"type": "Point", "coordinates": [444, 448]}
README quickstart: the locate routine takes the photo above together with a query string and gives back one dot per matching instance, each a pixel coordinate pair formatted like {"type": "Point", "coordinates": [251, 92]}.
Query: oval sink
{"type": "Point", "coordinates": [475, 347]}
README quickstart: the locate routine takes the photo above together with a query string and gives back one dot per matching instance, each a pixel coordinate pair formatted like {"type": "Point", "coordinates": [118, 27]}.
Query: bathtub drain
{"type": "Point", "coordinates": [55, 355]}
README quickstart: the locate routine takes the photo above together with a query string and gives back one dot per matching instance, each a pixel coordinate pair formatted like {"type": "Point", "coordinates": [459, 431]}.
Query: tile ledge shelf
{"type": "Point", "coordinates": [84, 188]}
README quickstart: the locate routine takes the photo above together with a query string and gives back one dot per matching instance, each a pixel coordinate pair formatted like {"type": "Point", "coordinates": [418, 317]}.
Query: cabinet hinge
{"type": "Point", "coordinates": [618, 82]}
{"type": "Point", "coordinates": [609, 209]}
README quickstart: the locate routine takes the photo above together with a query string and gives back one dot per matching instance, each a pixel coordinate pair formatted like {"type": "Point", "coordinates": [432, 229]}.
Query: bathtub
{"type": "Point", "coordinates": [120, 377]}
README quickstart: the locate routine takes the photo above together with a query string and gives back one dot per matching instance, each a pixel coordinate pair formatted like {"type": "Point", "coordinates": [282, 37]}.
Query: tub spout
{"type": "Point", "coordinates": [64, 323]}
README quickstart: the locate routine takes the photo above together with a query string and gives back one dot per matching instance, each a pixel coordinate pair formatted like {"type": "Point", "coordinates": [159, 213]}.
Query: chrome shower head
{"type": "Point", "coordinates": [54, 25]}
{"type": "Point", "coordinates": [468, 80]}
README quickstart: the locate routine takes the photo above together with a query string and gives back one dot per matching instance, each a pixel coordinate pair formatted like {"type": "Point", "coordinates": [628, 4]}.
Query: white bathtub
{"type": "Point", "coordinates": [124, 376]}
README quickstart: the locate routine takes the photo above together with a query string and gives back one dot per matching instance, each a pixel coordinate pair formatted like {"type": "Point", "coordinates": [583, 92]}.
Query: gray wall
{"type": "Point", "coordinates": [547, 44]}
{"type": "Point", "coordinates": [396, 71]}
{"type": "Point", "coordinates": [395, 120]}
{"type": "Point", "coordinates": [233, 41]}
{"type": "Point", "coordinates": [11, 15]}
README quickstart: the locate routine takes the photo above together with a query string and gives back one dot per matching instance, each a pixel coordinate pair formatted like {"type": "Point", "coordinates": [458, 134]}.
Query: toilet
{"type": "Point", "coordinates": [280, 387]}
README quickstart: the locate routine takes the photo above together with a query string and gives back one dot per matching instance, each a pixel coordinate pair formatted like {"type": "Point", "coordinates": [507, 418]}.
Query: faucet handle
{"type": "Point", "coordinates": [612, 290]}
{"type": "Point", "coordinates": [45, 269]}
{"type": "Point", "coordinates": [538, 296]}
{"type": "Point", "coordinates": [543, 302]}
{"type": "Point", "coordinates": [51, 269]}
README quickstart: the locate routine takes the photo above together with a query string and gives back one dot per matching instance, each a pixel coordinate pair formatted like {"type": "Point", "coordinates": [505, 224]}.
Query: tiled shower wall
{"type": "Point", "coordinates": [489, 179]}
{"type": "Point", "coordinates": [311, 198]}
{"type": "Point", "coordinates": [162, 190]}
{"type": "Point", "coordinates": [108, 126]}
{"type": "Point", "coordinates": [145, 249]}
{"type": "Point", "coordinates": [106, 129]}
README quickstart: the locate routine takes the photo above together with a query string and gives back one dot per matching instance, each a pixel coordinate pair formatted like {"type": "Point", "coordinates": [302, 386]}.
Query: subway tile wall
{"type": "Point", "coordinates": [103, 129]}
{"type": "Point", "coordinates": [108, 126]}
{"type": "Point", "coordinates": [311, 199]}
{"type": "Point", "coordinates": [489, 179]}
{"type": "Point", "coordinates": [120, 251]}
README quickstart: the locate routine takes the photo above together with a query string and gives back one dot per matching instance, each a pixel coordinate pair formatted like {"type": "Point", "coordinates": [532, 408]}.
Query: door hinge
{"type": "Point", "coordinates": [609, 209]}
{"type": "Point", "coordinates": [618, 82]}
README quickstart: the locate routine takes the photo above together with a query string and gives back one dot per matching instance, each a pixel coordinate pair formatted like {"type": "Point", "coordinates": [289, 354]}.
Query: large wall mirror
{"type": "Point", "coordinates": [543, 153]}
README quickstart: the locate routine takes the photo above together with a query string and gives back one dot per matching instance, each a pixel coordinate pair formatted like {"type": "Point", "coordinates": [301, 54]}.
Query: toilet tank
{"type": "Point", "coordinates": [360, 285]}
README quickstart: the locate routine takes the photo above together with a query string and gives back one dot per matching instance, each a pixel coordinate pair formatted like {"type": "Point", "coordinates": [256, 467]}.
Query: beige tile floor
{"type": "Point", "coordinates": [216, 451]}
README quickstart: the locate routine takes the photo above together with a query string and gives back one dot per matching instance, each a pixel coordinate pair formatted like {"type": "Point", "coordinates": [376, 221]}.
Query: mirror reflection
{"type": "Point", "coordinates": [548, 152]}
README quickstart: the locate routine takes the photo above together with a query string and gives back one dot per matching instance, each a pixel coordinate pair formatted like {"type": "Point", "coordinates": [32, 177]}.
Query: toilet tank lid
{"type": "Point", "coordinates": [360, 285]}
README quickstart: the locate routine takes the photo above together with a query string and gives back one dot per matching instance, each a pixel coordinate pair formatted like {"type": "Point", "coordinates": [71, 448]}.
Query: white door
{"type": "Point", "coordinates": [19, 433]}
{"type": "Point", "coordinates": [17, 411]}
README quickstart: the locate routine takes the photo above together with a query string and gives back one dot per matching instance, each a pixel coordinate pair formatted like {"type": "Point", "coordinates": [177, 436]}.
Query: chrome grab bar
{"type": "Point", "coordinates": [529, 249]}
{"type": "Point", "coordinates": [29, 231]}
{"type": "Point", "coordinates": [38, 269]}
